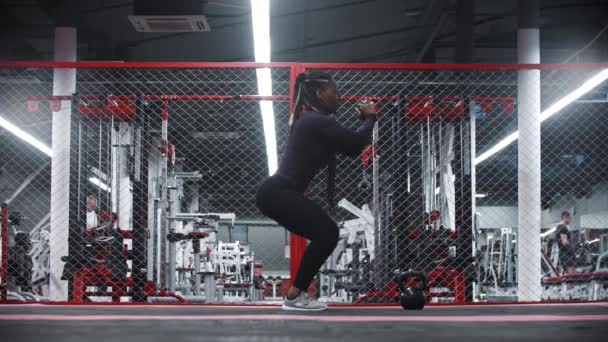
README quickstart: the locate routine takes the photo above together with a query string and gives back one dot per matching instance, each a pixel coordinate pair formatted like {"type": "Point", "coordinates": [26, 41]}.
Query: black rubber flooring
{"type": "Point", "coordinates": [65, 323]}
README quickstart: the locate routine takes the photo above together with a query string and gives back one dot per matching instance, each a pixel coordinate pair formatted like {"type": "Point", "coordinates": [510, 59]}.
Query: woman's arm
{"type": "Point", "coordinates": [346, 141]}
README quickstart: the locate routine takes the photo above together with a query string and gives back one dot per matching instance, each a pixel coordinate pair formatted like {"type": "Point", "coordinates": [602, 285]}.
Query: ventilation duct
{"type": "Point", "coordinates": [169, 16]}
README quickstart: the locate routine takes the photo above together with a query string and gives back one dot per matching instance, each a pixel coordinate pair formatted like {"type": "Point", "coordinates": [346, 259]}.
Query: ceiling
{"type": "Point", "coordinates": [306, 30]}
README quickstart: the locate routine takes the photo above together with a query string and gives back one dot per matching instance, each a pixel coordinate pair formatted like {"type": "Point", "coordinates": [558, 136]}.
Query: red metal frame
{"type": "Point", "coordinates": [452, 66]}
{"type": "Point", "coordinates": [122, 107]}
{"type": "Point", "coordinates": [297, 244]}
{"type": "Point", "coordinates": [4, 267]}
{"type": "Point", "coordinates": [301, 66]}
{"type": "Point", "coordinates": [169, 97]}
{"type": "Point", "coordinates": [337, 305]}
{"type": "Point", "coordinates": [217, 97]}
{"type": "Point", "coordinates": [371, 97]}
{"type": "Point", "coordinates": [99, 275]}
{"type": "Point", "coordinates": [142, 65]}
{"type": "Point", "coordinates": [573, 277]}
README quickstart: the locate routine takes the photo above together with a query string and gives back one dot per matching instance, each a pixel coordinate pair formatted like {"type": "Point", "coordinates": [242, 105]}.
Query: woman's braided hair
{"type": "Point", "coordinates": [306, 93]}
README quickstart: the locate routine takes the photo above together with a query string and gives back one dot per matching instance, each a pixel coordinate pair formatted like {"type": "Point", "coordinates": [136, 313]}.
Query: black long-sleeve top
{"type": "Point", "coordinates": [314, 142]}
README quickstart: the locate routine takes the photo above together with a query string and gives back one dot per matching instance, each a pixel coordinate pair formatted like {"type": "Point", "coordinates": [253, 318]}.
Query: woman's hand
{"type": "Point", "coordinates": [366, 108]}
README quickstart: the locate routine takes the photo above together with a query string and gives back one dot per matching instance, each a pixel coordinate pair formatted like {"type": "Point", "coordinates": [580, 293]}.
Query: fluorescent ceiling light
{"type": "Point", "coordinates": [23, 135]}
{"type": "Point", "coordinates": [480, 195]}
{"type": "Point", "coordinates": [548, 232]}
{"type": "Point", "coordinates": [594, 241]}
{"type": "Point", "coordinates": [575, 95]}
{"type": "Point", "coordinates": [28, 138]}
{"type": "Point", "coordinates": [99, 174]}
{"type": "Point", "coordinates": [552, 110]}
{"type": "Point", "coordinates": [260, 19]}
{"type": "Point", "coordinates": [498, 147]}
{"type": "Point", "coordinates": [266, 107]}
{"type": "Point", "coordinates": [100, 184]}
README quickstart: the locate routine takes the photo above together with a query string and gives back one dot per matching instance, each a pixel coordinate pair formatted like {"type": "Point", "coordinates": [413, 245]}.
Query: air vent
{"type": "Point", "coordinates": [167, 24]}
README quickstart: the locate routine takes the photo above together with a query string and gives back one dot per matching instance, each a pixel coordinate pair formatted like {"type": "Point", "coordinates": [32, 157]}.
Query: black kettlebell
{"type": "Point", "coordinates": [412, 298]}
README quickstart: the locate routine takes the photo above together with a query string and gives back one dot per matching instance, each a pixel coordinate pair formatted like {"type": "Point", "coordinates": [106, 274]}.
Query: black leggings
{"type": "Point", "coordinates": [279, 201]}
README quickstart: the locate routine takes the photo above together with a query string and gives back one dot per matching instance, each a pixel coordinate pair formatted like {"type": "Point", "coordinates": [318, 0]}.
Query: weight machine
{"type": "Point", "coordinates": [347, 272]}
{"type": "Point", "coordinates": [589, 282]}
{"type": "Point", "coordinates": [423, 192]}
{"type": "Point", "coordinates": [497, 265]}
{"type": "Point", "coordinates": [143, 237]}
{"type": "Point", "coordinates": [16, 269]}
{"type": "Point", "coordinates": [421, 203]}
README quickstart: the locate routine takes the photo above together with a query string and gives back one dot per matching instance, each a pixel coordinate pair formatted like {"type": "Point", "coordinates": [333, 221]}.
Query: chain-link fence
{"type": "Point", "coordinates": [151, 193]}
{"type": "Point", "coordinates": [163, 167]}
{"type": "Point", "coordinates": [445, 197]}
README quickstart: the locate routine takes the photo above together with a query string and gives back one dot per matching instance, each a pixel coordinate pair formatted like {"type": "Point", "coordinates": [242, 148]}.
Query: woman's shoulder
{"type": "Point", "coordinates": [316, 118]}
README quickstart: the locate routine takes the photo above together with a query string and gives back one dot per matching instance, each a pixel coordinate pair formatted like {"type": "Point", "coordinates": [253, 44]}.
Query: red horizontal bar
{"type": "Point", "coordinates": [218, 97]}
{"type": "Point", "coordinates": [107, 293]}
{"type": "Point", "coordinates": [201, 235]}
{"type": "Point", "coordinates": [373, 97]}
{"type": "Point", "coordinates": [172, 97]}
{"type": "Point", "coordinates": [68, 97]}
{"type": "Point", "coordinates": [245, 65]}
{"type": "Point", "coordinates": [440, 294]}
{"type": "Point", "coordinates": [142, 65]}
{"type": "Point", "coordinates": [452, 66]}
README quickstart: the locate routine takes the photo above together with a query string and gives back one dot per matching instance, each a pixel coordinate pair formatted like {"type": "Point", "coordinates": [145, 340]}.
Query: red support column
{"type": "Point", "coordinates": [297, 244]}
{"type": "Point", "coordinates": [459, 287]}
{"type": "Point", "coordinates": [79, 286]}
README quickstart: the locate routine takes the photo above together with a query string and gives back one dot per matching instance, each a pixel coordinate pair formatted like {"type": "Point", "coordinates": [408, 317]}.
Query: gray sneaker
{"type": "Point", "coordinates": [303, 302]}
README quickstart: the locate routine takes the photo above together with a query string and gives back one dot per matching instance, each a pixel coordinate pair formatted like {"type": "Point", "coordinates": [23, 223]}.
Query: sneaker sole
{"type": "Point", "coordinates": [291, 308]}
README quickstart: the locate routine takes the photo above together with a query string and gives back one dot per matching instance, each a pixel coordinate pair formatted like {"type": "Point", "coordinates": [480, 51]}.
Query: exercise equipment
{"type": "Point", "coordinates": [346, 274]}
{"type": "Point", "coordinates": [16, 274]}
{"type": "Point", "coordinates": [497, 264]}
{"type": "Point", "coordinates": [20, 263]}
{"type": "Point", "coordinates": [412, 297]}
{"type": "Point", "coordinates": [589, 282]}
{"type": "Point", "coordinates": [274, 282]}
{"type": "Point", "coordinates": [412, 202]}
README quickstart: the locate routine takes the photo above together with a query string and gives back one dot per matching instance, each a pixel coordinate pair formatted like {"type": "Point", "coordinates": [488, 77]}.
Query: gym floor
{"type": "Point", "coordinates": [536, 322]}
